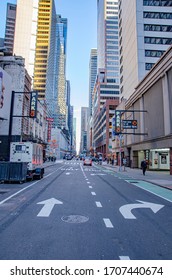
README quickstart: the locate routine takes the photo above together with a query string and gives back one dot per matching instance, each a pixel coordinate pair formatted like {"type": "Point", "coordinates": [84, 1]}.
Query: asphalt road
{"type": "Point", "coordinates": [80, 212]}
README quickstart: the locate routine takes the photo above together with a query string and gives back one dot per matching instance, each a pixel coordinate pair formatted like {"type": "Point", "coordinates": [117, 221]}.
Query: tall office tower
{"type": "Point", "coordinates": [35, 41]}
{"type": "Point", "coordinates": [45, 48]}
{"type": "Point", "coordinates": [10, 27]}
{"type": "Point", "coordinates": [25, 32]}
{"type": "Point", "coordinates": [74, 135]}
{"type": "Point", "coordinates": [61, 78]}
{"type": "Point", "coordinates": [145, 34]}
{"type": "Point", "coordinates": [84, 122]}
{"type": "Point", "coordinates": [68, 105]}
{"type": "Point", "coordinates": [107, 41]}
{"type": "Point", "coordinates": [92, 76]}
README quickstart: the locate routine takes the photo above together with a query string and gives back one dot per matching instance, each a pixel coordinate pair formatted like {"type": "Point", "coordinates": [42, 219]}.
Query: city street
{"type": "Point", "coordinates": [81, 212]}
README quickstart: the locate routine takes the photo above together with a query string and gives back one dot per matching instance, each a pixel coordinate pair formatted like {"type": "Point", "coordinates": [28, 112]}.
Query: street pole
{"type": "Point", "coordinates": [120, 155]}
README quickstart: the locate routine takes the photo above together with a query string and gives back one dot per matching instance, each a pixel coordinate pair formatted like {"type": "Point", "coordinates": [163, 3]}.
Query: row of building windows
{"type": "Point", "coordinates": [153, 27]}
{"type": "Point", "coordinates": [157, 15]}
{"type": "Point", "coordinates": [112, 26]}
{"type": "Point", "coordinates": [157, 3]}
{"type": "Point", "coordinates": [109, 92]}
{"type": "Point", "coordinates": [112, 42]}
{"type": "Point", "coordinates": [111, 22]}
{"type": "Point", "coordinates": [112, 8]}
{"type": "Point", "coordinates": [113, 59]}
{"type": "Point", "coordinates": [155, 40]}
{"type": "Point", "coordinates": [112, 13]}
{"type": "Point", "coordinates": [109, 86]}
{"type": "Point", "coordinates": [112, 47]}
{"type": "Point", "coordinates": [111, 37]}
{"type": "Point", "coordinates": [112, 52]}
{"type": "Point", "coordinates": [153, 53]}
{"type": "Point", "coordinates": [114, 17]}
{"type": "Point", "coordinates": [112, 3]}
{"type": "Point", "coordinates": [109, 32]}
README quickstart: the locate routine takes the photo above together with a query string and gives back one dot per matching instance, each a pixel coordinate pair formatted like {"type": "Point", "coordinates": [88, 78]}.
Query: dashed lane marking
{"type": "Point", "coordinates": [93, 193]}
{"type": "Point", "coordinates": [108, 223]}
{"type": "Point", "coordinates": [98, 204]}
{"type": "Point", "coordinates": [124, 258]}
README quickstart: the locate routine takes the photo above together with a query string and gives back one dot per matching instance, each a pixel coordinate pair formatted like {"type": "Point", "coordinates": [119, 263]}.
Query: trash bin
{"type": "Point", "coordinates": [4, 170]}
{"type": "Point", "coordinates": [18, 171]}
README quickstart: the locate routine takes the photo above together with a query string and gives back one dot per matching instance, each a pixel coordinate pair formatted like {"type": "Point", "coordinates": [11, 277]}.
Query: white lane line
{"type": "Point", "coordinates": [108, 223]}
{"type": "Point", "coordinates": [98, 204]}
{"type": "Point", "coordinates": [90, 187]}
{"type": "Point", "coordinates": [124, 258]}
{"type": "Point", "coordinates": [88, 182]}
{"type": "Point", "coordinates": [93, 193]}
{"type": "Point", "coordinates": [11, 196]}
{"type": "Point", "coordinates": [86, 179]}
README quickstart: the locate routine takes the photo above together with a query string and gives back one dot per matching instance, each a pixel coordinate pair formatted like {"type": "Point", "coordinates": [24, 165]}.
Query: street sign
{"type": "Point", "coordinates": [129, 124]}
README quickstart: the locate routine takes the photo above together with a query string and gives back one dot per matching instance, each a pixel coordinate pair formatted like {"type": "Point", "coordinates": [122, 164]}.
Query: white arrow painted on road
{"type": "Point", "coordinates": [97, 174]}
{"type": "Point", "coordinates": [48, 207]}
{"type": "Point", "coordinates": [126, 209]}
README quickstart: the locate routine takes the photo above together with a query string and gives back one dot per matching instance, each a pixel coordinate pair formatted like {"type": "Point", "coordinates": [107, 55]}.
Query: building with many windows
{"type": "Point", "coordinates": [10, 28]}
{"type": "Point", "coordinates": [61, 71]}
{"type": "Point", "coordinates": [106, 90]}
{"type": "Point", "coordinates": [84, 122]}
{"type": "Point", "coordinates": [145, 33]}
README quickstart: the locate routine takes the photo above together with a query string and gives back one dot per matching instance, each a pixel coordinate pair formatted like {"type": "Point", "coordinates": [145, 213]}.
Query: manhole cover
{"type": "Point", "coordinates": [75, 219]}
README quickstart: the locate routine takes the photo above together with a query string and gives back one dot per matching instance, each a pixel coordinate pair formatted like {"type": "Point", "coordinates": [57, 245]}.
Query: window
{"type": "Point", "coordinates": [162, 28]}
{"type": "Point", "coordinates": [148, 66]}
{"type": "Point", "coordinates": [153, 53]}
{"type": "Point", "coordinates": [156, 40]}
{"type": "Point", "coordinates": [157, 3]}
{"type": "Point", "coordinates": [157, 15]}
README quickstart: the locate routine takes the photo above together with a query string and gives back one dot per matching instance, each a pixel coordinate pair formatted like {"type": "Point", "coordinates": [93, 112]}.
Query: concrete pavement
{"type": "Point", "coordinates": [161, 178]}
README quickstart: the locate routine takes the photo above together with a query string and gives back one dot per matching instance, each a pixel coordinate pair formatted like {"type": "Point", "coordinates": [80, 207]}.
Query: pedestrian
{"type": "Point", "coordinates": [144, 166]}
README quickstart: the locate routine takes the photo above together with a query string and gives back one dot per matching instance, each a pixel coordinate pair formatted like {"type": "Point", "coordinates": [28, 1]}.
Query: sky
{"type": "Point", "coordinates": [81, 38]}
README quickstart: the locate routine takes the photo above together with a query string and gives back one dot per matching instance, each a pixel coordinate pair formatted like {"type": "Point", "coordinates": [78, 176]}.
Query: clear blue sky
{"type": "Point", "coordinates": [82, 36]}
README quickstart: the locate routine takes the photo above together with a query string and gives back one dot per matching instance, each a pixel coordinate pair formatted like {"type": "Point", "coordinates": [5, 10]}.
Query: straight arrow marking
{"type": "Point", "coordinates": [48, 207]}
{"type": "Point", "coordinates": [126, 209]}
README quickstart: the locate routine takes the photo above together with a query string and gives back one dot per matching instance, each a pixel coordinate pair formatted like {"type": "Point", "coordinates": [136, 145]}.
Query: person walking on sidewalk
{"type": "Point", "coordinates": [144, 166]}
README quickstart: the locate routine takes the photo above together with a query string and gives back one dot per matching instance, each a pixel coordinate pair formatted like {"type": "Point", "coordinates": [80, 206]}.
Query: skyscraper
{"type": "Point", "coordinates": [10, 27]}
{"type": "Point", "coordinates": [35, 41]}
{"type": "Point", "coordinates": [84, 121]}
{"type": "Point", "coordinates": [92, 76]}
{"type": "Point", "coordinates": [45, 46]}
{"type": "Point", "coordinates": [145, 34]}
{"type": "Point", "coordinates": [61, 78]}
{"type": "Point", "coordinates": [25, 32]}
{"type": "Point", "coordinates": [106, 90]}
{"type": "Point", "coordinates": [107, 38]}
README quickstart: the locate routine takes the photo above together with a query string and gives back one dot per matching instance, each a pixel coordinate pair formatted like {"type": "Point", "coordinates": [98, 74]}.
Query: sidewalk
{"type": "Point", "coordinates": [161, 178]}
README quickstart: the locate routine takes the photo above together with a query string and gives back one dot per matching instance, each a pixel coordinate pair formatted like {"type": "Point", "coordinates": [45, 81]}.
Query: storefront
{"type": "Point", "coordinates": [159, 159]}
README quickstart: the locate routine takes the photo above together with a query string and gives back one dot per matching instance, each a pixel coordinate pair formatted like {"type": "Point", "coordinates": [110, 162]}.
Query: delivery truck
{"type": "Point", "coordinates": [32, 154]}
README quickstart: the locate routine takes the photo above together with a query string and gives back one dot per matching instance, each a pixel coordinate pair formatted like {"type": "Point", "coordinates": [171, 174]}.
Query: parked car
{"type": "Point", "coordinates": [87, 161]}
